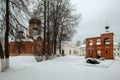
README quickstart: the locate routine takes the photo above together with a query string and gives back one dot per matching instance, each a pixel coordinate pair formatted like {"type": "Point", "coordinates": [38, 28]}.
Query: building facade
{"type": "Point", "coordinates": [27, 44]}
{"type": "Point", "coordinates": [82, 50]}
{"type": "Point", "coordinates": [69, 48]}
{"type": "Point", "coordinates": [102, 46]}
{"type": "Point", "coordinates": [116, 49]}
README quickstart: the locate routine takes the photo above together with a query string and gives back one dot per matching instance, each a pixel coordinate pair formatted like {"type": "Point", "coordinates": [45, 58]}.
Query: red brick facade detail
{"type": "Point", "coordinates": [38, 46]}
{"type": "Point", "coordinates": [17, 48]}
{"type": "Point", "coordinates": [102, 46]}
{"type": "Point", "coordinates": [34, 23]}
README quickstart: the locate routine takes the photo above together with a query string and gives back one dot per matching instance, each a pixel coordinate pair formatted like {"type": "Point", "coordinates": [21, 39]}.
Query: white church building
{"type": "Point", "coordinates": [69, 48]}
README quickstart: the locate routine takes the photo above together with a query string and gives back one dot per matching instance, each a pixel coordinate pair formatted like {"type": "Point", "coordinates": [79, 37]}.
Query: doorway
{"type": "Point", "coordinates": [98, 53]}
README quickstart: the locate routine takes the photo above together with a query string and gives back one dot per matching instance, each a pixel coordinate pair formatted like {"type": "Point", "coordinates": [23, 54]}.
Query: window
{"type": "Point", "coordinates": [74, 52]}
{"type": "Point", "coordinates": [118, 54]}
{"type": "Point", "coordinates": [114, 49]}
{"type": "Point", "coordinates": [98, 42]}
{"type": "Point", "coordinates": [107, 41]}
{"type": "Point", "coordinates": [34, 32]}
{"type": "Point", "coordinates": [90, 42]}
{"type": "Point", "coordinates": [99, 52]}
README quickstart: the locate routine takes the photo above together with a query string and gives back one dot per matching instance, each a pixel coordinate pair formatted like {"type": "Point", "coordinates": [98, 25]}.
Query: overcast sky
{"type": "Point", "coordinates": [93, 18]}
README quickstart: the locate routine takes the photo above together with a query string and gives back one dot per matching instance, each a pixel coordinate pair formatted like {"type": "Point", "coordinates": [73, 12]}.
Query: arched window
{"type": "Point", "coordinates": [35, 32]}
{"type": "Point", "coordinates": [98, 42]}
{"type": "Point", "coordinates": [107, 41]}
{"type": "Point", "coordinates": [91, 42]}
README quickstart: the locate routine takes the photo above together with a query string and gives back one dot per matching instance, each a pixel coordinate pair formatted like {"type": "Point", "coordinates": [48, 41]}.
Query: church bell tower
{"type": "Point", "coordinates": [34, 27]}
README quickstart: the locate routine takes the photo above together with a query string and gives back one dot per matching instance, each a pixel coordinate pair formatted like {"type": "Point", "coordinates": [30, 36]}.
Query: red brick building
{"type": "Point", "coordinates": [102, 46]}
{"type": "Point", "coordinates": [30, 44]}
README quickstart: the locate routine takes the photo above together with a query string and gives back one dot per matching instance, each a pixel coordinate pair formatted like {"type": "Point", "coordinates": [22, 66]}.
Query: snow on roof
{"type": "Point", "coordinates": [69, 44]}
{"type": "Point", "coordinates": [11, 39]}
{"type": "Point", "coordinates": [84, 45]}
{"type": "Point", "coordinates": [27, 39]}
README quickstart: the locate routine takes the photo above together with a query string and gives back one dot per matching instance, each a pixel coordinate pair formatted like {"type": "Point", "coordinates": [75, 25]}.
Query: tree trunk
{"type": "Point", "coordinates": [60, 40]}
{"type": "Point", "coordinates": [54, 39]}
{"type": "Point", "coordinates": [2, 58]}
{"type": "Point", "coordinates": [44, 46]}
{"type": "Point", "coordinates": [48, 33]}
{"type": "Point", "coordinates": [55, 45]}
{"type": "Point", "coordinates": [6, 35]}
{"type": "Point", "coordinates": [60, 45]}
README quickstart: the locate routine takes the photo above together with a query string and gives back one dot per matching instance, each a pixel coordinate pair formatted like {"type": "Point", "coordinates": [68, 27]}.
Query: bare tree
{"type": "Point", "coordinates": [58, 21]}
{"type": "Point", "coordinates": [7, 35]}
{"type": "Point", "coordinates": [56, 17]}
{"type": "Point", "coordinates": [63, 20]}
{"type": "Point", "coordinates": [9, 20]}
{"type": "Point", "coordinates": [78, 43]}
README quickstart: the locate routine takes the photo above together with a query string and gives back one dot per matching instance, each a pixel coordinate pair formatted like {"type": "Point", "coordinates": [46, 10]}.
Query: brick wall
{"type": "Point", "coordinates": [102, 46]}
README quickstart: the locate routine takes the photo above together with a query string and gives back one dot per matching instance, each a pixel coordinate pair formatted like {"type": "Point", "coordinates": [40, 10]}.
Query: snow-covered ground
{"type": "Point", "coordinates": [61, 68]}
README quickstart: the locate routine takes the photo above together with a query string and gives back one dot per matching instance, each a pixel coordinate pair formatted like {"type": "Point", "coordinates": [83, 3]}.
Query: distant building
{"type": "Point", "coordinates": [116, 49]}
{"type": "Point", "coordinates": [82, 50]}
{"type": "Point", "coordinates": [69, 49]}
